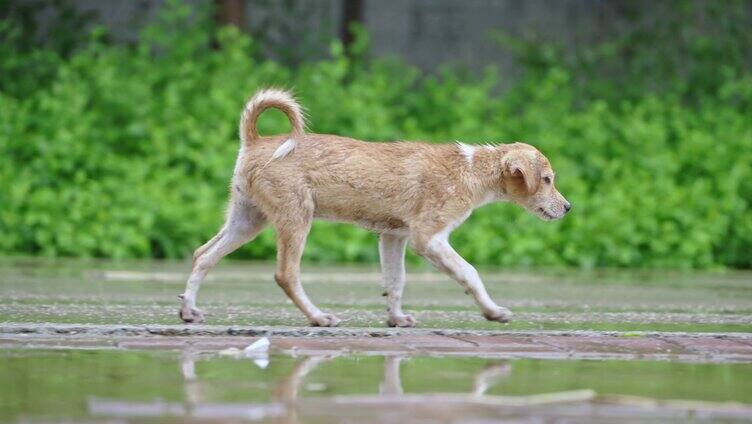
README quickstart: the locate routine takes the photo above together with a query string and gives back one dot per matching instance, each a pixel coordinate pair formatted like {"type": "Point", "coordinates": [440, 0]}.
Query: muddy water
{"type": "Point", "coordinates": [102, 385]}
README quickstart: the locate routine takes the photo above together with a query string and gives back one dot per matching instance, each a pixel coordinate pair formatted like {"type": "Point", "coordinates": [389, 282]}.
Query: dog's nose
{"type": "Point", "coordinates": [567, 207]}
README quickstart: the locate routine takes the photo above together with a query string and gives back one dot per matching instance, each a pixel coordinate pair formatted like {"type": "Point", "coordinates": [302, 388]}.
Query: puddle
{"type": "Point", "coordinates": [138, 386]}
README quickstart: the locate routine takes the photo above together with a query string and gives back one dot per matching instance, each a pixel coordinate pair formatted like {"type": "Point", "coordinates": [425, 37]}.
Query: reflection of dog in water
{"type": "Point", "coordinates": [391, 383]}
{"type": "Point", "coordinates": [286, 404]}
{"type": "Point", "coordinates": [287, 391]}
{"type": "Point", "coordinates": [407, 192]}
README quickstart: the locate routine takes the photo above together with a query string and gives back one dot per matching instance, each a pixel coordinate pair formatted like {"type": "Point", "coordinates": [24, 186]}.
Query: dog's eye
{"type": "Point", "coordinates": [547, 180]}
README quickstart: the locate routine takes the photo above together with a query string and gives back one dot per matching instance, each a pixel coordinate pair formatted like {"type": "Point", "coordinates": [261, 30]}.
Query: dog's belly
{"type": "Point", "coordinates": [363, 204]}
{"type": "Point", "coordinates": [379, 225]}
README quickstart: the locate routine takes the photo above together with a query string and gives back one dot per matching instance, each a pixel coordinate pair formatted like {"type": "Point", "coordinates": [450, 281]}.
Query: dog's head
{"type": "Point", "coordinates": [528, 180]}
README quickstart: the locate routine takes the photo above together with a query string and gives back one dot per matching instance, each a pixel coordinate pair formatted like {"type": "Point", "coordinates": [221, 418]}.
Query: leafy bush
{"type": "Point", "coordinates": [126, 151]}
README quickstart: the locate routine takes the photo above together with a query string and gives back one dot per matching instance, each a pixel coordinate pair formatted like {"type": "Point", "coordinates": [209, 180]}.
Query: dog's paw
{"type": "Point", "coordinates": [401, 321]}
{"type": "Point", "coordinates": [325, 320]}
{"type": "Point", "coordinates": [501, 314]}
{"type": "Point", "coordinates": [191, 315]}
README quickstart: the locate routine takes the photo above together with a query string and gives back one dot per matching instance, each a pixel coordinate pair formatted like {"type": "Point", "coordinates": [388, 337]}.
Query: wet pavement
{"type": "Point", "coordinates": [94, 341]}
{"type": "Point", "coordinates": [678, 347]}
{"type": "Point", "coordinates": [101, 292]}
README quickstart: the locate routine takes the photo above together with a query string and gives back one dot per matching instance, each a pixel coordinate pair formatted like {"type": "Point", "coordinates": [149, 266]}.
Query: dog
{"type": "Point", "coordinates": [408, 192]}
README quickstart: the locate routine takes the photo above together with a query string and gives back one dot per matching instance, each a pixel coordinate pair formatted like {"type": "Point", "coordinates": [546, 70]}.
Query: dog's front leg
{"type": "Point", "coordinates": [440, 253]}
{"type": "Point", "coordinates": [392, 253]}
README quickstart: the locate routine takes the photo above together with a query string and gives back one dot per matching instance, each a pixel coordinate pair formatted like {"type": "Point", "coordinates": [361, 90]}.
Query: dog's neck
{"type": "Point", "coordinates": [484, 173]}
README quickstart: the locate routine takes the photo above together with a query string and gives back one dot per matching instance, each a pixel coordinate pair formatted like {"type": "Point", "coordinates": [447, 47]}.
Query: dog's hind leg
{"type": "Point", "coordinates": [244, 222]}
{"type": "Point", "coordinates": [392, 254]}
{"type": "Point", "coordinates": [291, 238]}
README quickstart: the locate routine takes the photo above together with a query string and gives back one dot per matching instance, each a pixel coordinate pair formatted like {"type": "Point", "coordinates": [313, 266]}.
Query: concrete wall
{"type": "Point", "coordinates": [429, 33]}
{"type": "Point", "coordinates": [426, 33]}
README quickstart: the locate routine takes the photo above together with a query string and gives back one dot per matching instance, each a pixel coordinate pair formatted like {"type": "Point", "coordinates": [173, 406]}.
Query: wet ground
{"type": "Point", "coordinates": [100, 341]}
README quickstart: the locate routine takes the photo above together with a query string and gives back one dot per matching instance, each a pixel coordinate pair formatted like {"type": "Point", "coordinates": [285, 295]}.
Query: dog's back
{"type": "Point", "coordinates": [351, 180]}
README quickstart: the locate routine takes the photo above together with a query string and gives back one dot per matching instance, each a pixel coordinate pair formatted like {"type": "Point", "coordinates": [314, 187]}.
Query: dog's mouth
{"type": "Point", "coordinates": [547, 215]}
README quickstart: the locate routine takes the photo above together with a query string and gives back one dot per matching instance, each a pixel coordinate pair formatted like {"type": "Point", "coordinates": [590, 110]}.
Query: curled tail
{"type": "Point", "coordinates": [264, 99]}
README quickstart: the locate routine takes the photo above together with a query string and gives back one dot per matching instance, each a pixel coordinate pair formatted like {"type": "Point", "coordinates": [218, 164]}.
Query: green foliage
{"type": "Point", "coordinates": [119, 151]}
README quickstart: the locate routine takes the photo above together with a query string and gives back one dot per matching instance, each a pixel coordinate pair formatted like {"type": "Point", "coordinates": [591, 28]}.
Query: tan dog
{"type": "Point", "coordinates": [405, 191]}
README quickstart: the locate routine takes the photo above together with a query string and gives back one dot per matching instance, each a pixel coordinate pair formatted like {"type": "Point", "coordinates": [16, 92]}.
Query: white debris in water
{"type": "Point", "coordinates": [258, 351]}
{"type": "Point", "coordinates": [260, 345]}
{"type": "Point", "coordinates": [261, 363]}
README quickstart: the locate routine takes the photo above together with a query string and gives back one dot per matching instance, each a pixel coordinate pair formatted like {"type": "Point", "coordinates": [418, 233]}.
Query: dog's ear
{"type": "Point", "coordinates": [519, 165]}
